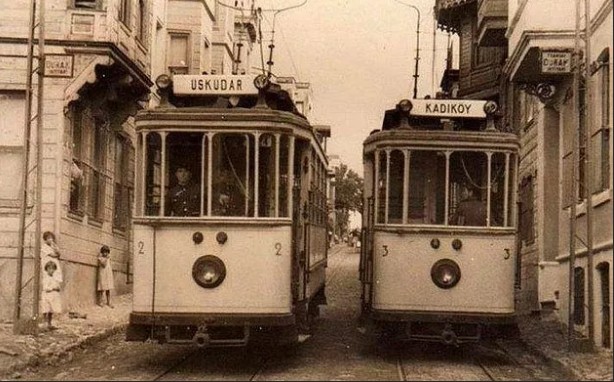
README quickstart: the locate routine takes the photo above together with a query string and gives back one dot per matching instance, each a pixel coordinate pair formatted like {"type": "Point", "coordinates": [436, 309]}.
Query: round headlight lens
{"type": "Point", "coordinates": [445, 273]}
{"type": "Point", "coordinates": [163, 81]}
{"type": "Point", "coordinates": [208, 271]}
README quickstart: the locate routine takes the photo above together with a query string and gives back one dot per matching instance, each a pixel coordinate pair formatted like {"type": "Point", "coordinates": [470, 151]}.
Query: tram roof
{"type": "Point", "coordinates": [403, 137]}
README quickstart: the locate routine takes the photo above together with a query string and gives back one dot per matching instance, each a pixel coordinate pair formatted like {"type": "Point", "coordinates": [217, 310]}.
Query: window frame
{"type": "Point", "coordinates": [173, 68]}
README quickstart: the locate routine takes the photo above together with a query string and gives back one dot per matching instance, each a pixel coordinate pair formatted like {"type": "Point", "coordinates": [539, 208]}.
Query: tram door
{"type": "Point", "coordinates": [366, 257]}
{"type": "Point", "coordinates": [300, 229]}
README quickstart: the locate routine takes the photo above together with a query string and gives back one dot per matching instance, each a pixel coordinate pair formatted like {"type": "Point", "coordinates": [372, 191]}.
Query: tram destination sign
{"type": "Point", "coordinates": [444, 108]}
{"type": "Point", "coordinates": [190, 84]}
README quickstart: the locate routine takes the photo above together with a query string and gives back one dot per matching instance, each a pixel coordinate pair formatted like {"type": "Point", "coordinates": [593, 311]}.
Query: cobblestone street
{"type": "Point", "coordinates": [335, 351]}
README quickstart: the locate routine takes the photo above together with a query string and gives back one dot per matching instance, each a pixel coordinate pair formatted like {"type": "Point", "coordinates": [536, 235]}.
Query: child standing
{"type": "Point", "coordinates": [51, 300]}
{"type": "Point", "coordinates": [105, 276]}
{"type": "Point", "coordinates": [51, 252]}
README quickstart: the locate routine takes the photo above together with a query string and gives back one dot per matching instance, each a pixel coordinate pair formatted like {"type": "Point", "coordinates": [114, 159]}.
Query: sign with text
{"type": "Point", "coordinates": [59, 65]}
{"type": "Point", "coordinates": [188, 84]}
{"type": "Point", "coordinates": [556, 62]}
{"type": "Point", "coordinates": [448, 108]}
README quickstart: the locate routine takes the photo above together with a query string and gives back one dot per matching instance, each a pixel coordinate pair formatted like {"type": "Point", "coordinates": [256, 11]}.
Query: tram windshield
{"type": "Point", "coordinates": [238, 174]}
{"type": "Point", "coordinates": [430, 187]}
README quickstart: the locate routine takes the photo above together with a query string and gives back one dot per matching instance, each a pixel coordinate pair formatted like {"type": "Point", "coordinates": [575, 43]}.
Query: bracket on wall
{"type": "Point", "coordinates": [545, 91]}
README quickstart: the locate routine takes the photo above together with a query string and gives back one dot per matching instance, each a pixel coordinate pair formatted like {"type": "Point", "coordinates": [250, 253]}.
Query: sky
{"type": "Point", "coordinates": [358, 56]}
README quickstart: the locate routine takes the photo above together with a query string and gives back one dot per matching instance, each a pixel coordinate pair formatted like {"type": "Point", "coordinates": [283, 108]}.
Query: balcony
{"type": "Point", "coordinates": [492, 22]}
{"type": "Point", "coordinates": [449, 13]}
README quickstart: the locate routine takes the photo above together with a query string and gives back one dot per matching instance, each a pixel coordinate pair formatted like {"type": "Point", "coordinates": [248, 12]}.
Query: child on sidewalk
{"type": "Point", "coordinates": [51, 300]}
{"type": "Point", "coordinates": [51, 252]}
{"type": "Point", "coordinates": [105, 276]}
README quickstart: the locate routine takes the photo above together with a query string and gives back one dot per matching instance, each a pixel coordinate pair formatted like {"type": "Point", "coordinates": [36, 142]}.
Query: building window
{"type": "Point", "coordinates": [480, 55]}
{"type": "Point", "coordinates": [600, 134]}
{"type": "Point", "coordinates": [124, 12]}
{"type": "Point", "coordinates": [11, 144]}
{"type": "Point", "coordinates": [89, 135]}
{"type": "Point", "coordinates": [122, 182]}
{"type": "Point", "coordinates": [578, 296]}
{"type": "Point", "coordinates": [88, 4]}
{"type": "Point", "coordinates": [178, 57]}
{"type": "Point", "coordinates": [526, 230]}
{"type": "Point", "coordinates": [141, 24]}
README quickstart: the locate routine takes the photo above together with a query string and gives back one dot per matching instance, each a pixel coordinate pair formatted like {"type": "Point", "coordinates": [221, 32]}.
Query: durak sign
{"type": "Point", "coordinates": [58, 65]}
{"type": "Point", "coordinates": [448, 108]}
{"type": "Point", "coordinates": [556, 62]}
{"type": "Point", "coordinates": [187, 84]}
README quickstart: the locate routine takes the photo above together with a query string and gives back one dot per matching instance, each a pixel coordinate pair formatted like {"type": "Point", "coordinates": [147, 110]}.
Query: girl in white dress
{"type": "Point", "coordinates": [51, 301]}
{"type": "Point", "coordinates": [105, 276]}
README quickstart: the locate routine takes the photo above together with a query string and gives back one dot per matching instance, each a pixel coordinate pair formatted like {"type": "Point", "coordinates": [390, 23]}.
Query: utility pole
{"type": "Point", "coordinates": [573, 185]}
{"type": "Point", "coordinates": [18, 325]}
{"type": "Point", "coordinates": [417, 58]}
{"type": "Point", "coordinates": [588, 178]}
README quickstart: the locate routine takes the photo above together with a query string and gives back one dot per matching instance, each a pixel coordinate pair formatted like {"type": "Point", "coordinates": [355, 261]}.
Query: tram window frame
{"type": "Point", "coordinates": [208, 174]}
{"type": "Point", "coordinates": [399, 170]}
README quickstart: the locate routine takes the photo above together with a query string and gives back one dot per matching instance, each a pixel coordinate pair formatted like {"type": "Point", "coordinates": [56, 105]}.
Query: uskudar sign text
{"type": "Point", "coordinates": [213, 85]}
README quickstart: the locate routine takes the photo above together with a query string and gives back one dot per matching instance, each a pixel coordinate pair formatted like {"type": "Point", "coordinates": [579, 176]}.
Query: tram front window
{"type": "Point", "coordinates": [233, 174]}
{"type": "Point", "coordinates": [246, 174]}
{"type": "Point", "coordinates": [478, 192]}
{"type": "Point", "coordinates": [183, 192]}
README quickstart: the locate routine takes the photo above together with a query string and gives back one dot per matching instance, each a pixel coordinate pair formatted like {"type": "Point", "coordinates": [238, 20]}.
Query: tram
{"type": "Point", "coordinates": [439, 260]}
{"type": "Point", "coordinates": [229, 232]}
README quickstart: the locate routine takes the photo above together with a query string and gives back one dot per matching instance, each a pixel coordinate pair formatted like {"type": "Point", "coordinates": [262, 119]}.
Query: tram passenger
{"type": "Point", "coordinates": [226, 198]}
{"type": "Point", "coordinates": [471, 210]}
{"type": "Point", "coordinates": [184, 198]}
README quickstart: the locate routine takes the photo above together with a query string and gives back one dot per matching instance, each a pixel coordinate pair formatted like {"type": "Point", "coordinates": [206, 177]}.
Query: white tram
{"type": "Point", "coordinates": [439, 226]}
{"type": "Point", "coordinates": [240, 251]}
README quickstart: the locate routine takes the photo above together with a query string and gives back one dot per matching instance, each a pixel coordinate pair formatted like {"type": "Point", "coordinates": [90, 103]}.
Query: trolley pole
{"type": "Point", "coordinates": [588, 178]}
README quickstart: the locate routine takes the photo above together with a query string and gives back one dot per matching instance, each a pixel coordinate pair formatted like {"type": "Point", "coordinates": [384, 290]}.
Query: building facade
{"type": "Point", "coordinates": [531, 44]}
{"type": "Point", "coordinates": [102, 57]}
{"type": "Point", "coordinates": [542, 45]}
{"type": "Point", "coordinates": [97, 75]}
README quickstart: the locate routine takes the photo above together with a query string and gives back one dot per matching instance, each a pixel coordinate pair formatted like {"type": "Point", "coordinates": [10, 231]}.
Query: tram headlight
{"type": "Point", "coordinates": [163, 81]}
{"type": "Point", "coordinates": [445, 273]}
{"type": "Point", "coordinates": [208, 271]}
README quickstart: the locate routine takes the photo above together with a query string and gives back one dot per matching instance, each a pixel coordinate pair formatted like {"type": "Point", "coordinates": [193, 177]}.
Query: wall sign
{"type": "Point", "coordinates": [555, 62]}
{"type": "Point", "coordinates": [59, 65]}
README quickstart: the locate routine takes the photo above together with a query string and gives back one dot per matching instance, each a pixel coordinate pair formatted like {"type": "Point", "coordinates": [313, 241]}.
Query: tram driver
{"type": "Point", "coordinates": [184, 198]}
{"type": "Point", "coordinates": [471, 210]}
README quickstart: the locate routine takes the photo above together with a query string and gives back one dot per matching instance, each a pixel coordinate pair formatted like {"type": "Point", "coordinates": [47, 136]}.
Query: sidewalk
{"type": "Point", "coordinates": [547, 339]}
{"type": "Point", "coordinates": [17, 352]}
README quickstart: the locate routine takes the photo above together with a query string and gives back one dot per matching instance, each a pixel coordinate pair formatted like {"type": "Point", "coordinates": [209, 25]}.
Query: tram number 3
{"type": "Point", "coordinates": [141, 247]}
{"type": "Point", "coordinates": [385, 251]}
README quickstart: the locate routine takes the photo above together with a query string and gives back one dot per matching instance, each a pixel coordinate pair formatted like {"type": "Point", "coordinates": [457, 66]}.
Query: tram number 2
{"type": "Point", "coordinates": [140, 247]}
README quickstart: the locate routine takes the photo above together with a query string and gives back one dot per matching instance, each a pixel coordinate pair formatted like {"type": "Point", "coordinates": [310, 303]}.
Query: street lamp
{"type": "Point", "coordinates": [416, 75]}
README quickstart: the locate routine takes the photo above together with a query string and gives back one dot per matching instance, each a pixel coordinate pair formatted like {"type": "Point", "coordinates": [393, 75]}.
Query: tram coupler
{"type": "Point", "coordinates": [201, 338]}
{"type": "Point", "coordinates": [448, 336]}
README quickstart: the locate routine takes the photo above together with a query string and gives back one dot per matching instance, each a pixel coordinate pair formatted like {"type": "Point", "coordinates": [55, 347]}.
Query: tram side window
{"type": "Point", "coordinates": [184, 177]}
{"type": "Point", "coordinates": [427, 174]}
{"type": "Point", "coordinates": [233, 174]}
{"type": "Point", "coordinates": [468, 188]}
{"type": "Point", "coordinates": [284, 161]}
{"type": "Point", "coordinates": [395, 184]}
{"type": "Point", "coordinates": [382, 185]}
{"type": "Point", "coordinates": [497, 189]}
{"type": "Point", "coordinates": [153, 175]}
{"type": "Point", "coordinates": [266, 175]}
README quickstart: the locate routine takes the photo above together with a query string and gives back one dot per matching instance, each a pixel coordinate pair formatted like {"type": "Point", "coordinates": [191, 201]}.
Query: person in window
{"type": "Point", "coordinates": [226, 202]}
{"type": "Point", "coordinates": [471, 210]}
{"type": "Point", "coordinates": [184, 198]}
